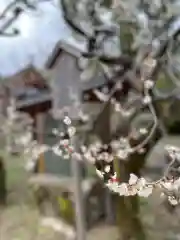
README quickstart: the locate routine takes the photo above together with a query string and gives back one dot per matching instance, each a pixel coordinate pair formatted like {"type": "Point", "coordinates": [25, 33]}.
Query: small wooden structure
{"type": "Point", "coordinates": [30, 90]}
{"type": "Point", "coordinates": [67, 86]}
{"type": "Point", "coordinates": [66, 90]}
{"type": "Point", "coordinates": [32, 95]}
{"type": "Point", "coordinates": [69, 92]}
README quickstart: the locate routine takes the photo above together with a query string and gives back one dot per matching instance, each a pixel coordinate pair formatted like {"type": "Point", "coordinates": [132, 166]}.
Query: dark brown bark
{"type": "Point", "coordinates": [3, 189]}
{"type": "Point", "coordinates": [127, 208]}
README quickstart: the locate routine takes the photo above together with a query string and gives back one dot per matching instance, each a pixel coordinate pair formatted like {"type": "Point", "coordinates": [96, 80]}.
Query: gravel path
{"type": "Point", "coordinates": [22, 222]}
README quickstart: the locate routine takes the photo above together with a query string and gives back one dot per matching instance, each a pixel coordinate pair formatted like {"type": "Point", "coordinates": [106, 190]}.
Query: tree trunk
{"type": "Point", "coordinates": [128, 208]}
{"type": "Point", "coordinates": [3, 190]}
{"type": "Point", "coordinates": [128, 220]}
{"type": "Point", "coordinates": [122, 213]}
{"type": "Point", "coordinates": [103, 130]}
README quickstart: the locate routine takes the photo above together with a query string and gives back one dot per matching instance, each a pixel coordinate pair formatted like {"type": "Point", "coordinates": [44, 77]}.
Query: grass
{"type": "Point", "coordinates": [15, 169]}
{"type": "Point", "coordinates": [16, 177]}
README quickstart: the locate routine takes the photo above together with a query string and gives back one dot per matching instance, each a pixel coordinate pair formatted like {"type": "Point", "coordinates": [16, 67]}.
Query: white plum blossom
{"type": "Point", "coordinates": [83, 148]}
{"type": "Point", "coordinates": [150, 63]}
{"type": "Point", "coordinates": [32, 153]}
{"type": "Point", "coordinates": [62, 134]}
{"type": "Point", "coordinates": [123, 189]}
{"type": "Point", "coordinates": [117, 107]}
{"type": "Point", "coordinates": [147, 100]}
{"type": "Point", "coordinates": [132, 191]}
{"type": "Point", "coordinates": [64, 142]}
{"type": "Point", "coordinates": [57, 150]}
{"type": "Point", "coordinates": [143, 131]}
{"type": "Point", "coordinates": [107, 169]}
{"type": "Point", "coordinates": [55, 131]}
{"type": "Point", "coordinates": [145, 191]}
{"type": "Point", "coordinates": [141, 183]}
{"type": "Point", "coordinates": [67, 120]}
{"type": "Point", "coordinates": [148, 84]}
{"type": "Point", "coordinates": [71, 131]}
{"type": "Point", "coordinates": [133, 179]}
{"type": "Point", "coordinates": [122, 154]}
{"type": "Point", "coordinates": [114, 187]}
{"type": "Point", "coordinates": [167, 185]}
{"type": "Point", "coordinates": [172, 200]}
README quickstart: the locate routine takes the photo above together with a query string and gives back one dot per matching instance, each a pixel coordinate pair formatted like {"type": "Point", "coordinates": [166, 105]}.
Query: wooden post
{"type": "Point", "coordinates": [40, 121]}
{"type": "Point", "coordinates": [78, 194]}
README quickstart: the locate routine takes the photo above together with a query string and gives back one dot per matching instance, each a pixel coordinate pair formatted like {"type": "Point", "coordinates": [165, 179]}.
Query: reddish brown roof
{"type": "Point", "coordinates": [28, 77]}
{"type": "Point", "coordinates": [27, 86]}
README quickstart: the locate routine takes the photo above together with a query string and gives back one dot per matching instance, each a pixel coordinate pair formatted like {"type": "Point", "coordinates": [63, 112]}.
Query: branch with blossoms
{"type": "Point", "coordinates": [168, 185]}
{"type": "Point", "coordinates": [120, 148]}
{"type": "Point", "coordinates": [169, 188]}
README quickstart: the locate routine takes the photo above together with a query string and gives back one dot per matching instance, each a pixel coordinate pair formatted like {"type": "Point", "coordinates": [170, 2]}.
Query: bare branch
{"type": "Point", "coordinates": [70, 22]}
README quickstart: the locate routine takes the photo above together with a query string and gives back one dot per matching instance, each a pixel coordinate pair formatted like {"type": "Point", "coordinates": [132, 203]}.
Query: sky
{"type": "Point", "coordinates": [40, 31]}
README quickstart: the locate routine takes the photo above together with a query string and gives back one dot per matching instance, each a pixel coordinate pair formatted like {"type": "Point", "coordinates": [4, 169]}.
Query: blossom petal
{"type": "Point", "coordinates": [145, 192]}
{"type": "Point", "coordinates": [133, 179]}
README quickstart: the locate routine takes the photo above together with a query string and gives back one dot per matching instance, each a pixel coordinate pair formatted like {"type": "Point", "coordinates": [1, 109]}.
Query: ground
{"type": "Point", "coordinates": [24, 223]}
{"type": "Point", "coordinates": [21, 221]}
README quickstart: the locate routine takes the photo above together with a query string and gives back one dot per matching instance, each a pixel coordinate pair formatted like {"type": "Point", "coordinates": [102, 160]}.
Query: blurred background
{"type": "Point", "coordinates": [62, 60]}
